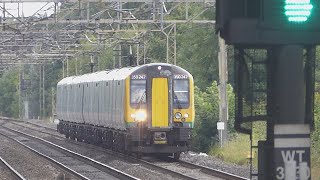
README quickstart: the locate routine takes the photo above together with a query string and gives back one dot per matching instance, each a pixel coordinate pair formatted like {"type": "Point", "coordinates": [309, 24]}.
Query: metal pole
{"type": "Point", "coordinates": [55, 12]}
{"type": "Point", "coordinates": [19, 91]}
{"type": "Point", "coordinates": [138, 48]}
{"type": "Point", "coordinates": [88, 11]}
{"type": "Point", "coordinates": [288, 85]}
{"type": "Point", "coordinates": [161, 16]}
{"type": "Point", "coordinates": [40, 107]}
{"type": "Point", "coordinates": [67, 67]}
{"type": "Point", "coordinates": [98, 62]}
{"type": "Point", "coordinates": [187, 10]}
{"type": "Point", "coordinates": [52, 103]}
{"type": "Point", "coordinates": [63, 68]}
{"type": "Point", "coordinates": [80, 64]}
{"type": "Point", "coordinates": [167, 36]}
{"type": "Point", "coordinates": [114, 57]}
{"type": "Point", "coordinates": [76, 65]}
{"type": "Point", "coordinates": [120, 56]}
{"type": "Point", "coordinates": [18, 9]}
{"type": "Point", "coordinates": [144, 52]}
{"type": "Point", "coordinates": [91, 63]}
{"type": "Point", "coordinates": [223, 99]}
{"type": "Point", "coordinates": [220, 133]}
{"type": "Point", "coordinates": [4, 16]}
{"type": "Point", "coordinates": [175, 44]}
{"type": "Point", "coordinates": [43, 91]}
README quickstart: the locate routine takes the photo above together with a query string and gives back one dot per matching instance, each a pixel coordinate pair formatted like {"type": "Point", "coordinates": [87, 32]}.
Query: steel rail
{"type": "Point", "coordinates": [211, 171]}
{"type": "Point", "coordinates": [15, 121]}
{"type": "Point", "coordinates": [103, 167]}
{"type": "Point", "coordinates": [60, 165]}
{"type": "Point", "coordinates": [16, 174]}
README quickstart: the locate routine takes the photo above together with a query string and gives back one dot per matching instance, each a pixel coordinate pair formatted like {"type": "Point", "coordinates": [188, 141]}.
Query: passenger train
{"type": "Point", "coordinates": [148, 109]}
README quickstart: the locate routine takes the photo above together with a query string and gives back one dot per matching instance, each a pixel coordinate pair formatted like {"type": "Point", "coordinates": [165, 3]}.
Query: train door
{"type": "Point", "coordinates": [160, 102]}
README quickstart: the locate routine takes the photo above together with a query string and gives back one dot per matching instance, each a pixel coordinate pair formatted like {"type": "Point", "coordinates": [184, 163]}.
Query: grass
{"type": "Point", "coordinates": [235, 151]}
{"type": "Point", "coordinates": [315, 163]}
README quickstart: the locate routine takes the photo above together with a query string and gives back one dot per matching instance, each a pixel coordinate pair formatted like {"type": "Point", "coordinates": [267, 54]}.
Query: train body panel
{"type": "Point", "coordinates": [149, 108]}
{"type": "Point", "coordinates": [160, 103]}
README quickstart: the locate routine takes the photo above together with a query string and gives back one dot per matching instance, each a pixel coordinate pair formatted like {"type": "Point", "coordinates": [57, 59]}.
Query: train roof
{"type": "Point", "coordinates": [115, 74]}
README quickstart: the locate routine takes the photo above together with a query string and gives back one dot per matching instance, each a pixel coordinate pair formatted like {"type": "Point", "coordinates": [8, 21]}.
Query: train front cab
{"type": "Point", "coordinates": [160, 110]}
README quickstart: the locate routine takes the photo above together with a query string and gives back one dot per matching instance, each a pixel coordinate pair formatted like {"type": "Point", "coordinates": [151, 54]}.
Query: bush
{"type": "Point", "coordinates": [205, 133]}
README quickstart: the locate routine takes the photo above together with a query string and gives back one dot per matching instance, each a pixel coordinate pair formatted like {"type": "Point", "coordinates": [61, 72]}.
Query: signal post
{"type": "Point", "coordinates": [291, 136]}
{"type": "Point", "coordinates": [286, 30]}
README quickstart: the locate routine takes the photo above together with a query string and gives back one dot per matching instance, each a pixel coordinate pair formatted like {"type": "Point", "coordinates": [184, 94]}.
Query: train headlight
{"type": "Point", "coordinates": [139, 115]}
{"type": "Point", "coordinates": [178, 115]}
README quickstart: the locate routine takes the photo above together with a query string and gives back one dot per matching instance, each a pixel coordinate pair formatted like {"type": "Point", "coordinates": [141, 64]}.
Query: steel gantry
{"type": "Point", "coordinates": [42, 38]}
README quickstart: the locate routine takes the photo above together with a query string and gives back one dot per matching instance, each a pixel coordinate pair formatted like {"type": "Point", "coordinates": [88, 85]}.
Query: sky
{"type": "Point", "coordinates": [28, 9]}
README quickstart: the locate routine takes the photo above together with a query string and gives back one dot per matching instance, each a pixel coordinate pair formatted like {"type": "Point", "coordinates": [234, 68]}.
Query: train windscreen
{"type": "Point", "coordinates": [138, 91]}
{"type": "Point", "coordinates": [181, 93]}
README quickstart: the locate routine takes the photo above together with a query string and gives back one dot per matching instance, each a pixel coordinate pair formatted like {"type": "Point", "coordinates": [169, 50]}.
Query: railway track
{"type": "Point", "coordinates": [179, 170]}
{"type": "Point", "coordinates": [15, 174]}
{"type": "Point", "coordinates": [60, 165]}
{"type": "Point", "coordinates": [27, 122]}
{"type": "Point", "coordinates": [210, 171]}
{"type": "Point", "coordinates": [130, 158]}
{"type": "Point", "coordinates": [80, 166]}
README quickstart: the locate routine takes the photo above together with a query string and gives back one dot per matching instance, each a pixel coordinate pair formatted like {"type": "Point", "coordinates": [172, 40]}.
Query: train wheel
{"type": "Point", "coordinates": [127, 145]}
{"type": "Point", "coordinates": [72, 134]}
{"type": "Point", "coordinates": [139, 155]}
{"type": "Point", "coordinates": [176, 156]}
{"type": "Point", "coordinates": [72, 137]}
{"type": "Point", "coordinates": [122, 143]}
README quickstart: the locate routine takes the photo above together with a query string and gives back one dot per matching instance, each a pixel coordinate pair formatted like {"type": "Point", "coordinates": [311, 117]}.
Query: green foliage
{"type": "Point", "coordinates": [157, 48]}
{"type": "Point", "coordinates": [207, 115]}
{"type": "Point", "coordinates": [315, 139]}
{"type": "Point", "coordinates": [198, 52]}
{"type": "Point", "coordinates": [9, 85]}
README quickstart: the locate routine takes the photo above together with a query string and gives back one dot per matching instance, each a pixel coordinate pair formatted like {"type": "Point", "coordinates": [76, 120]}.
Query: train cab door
{"type": "Point", "coordinates": [160, 102]}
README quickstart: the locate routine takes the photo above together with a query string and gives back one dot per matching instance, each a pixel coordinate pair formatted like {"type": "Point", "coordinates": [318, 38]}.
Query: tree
{"type": "Point", "coordinates": [9, 91]}
{"type": "Point", "coordinates": [205, 132]}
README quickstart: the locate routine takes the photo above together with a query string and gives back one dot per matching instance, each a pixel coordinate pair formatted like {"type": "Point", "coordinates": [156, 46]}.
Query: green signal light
{"type": "Point", "coordinates": [298, 10]}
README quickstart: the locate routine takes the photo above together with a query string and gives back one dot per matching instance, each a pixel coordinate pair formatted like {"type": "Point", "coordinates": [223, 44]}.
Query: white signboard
{"type": "Point", "coordinates": [220, 125]}
{"type": "Point", "coordinates": [292, 151]}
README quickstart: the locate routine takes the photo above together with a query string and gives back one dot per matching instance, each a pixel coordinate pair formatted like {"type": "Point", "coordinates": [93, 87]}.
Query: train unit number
{"type": "Point", "coordinates": [139, 76]}
{"type": "Point", "coordinates": [180, 76]}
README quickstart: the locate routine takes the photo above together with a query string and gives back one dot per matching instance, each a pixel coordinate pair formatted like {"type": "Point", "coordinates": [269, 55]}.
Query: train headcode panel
{"type": "Point", "coordinates": [292, 151]}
